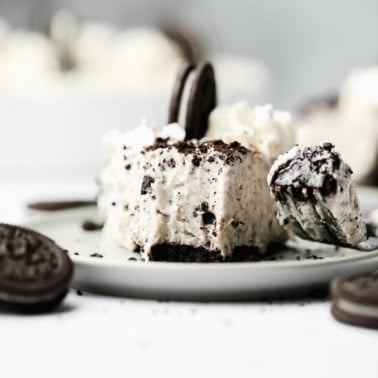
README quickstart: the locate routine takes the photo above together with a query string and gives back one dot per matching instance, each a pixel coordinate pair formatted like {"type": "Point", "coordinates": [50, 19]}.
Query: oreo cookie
{"type": "Point", "coordinates": [34, 270]}
{"type": "Point", "coordinates": [193, 98]}
{"type": "Point", "coordinates": [355, 299]}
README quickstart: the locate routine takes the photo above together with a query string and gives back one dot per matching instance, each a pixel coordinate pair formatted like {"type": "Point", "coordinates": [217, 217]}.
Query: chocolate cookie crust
{"type": "Point", "coordinates": [174, 105]}
{"type": "Point", "coordinates": [173, 252]}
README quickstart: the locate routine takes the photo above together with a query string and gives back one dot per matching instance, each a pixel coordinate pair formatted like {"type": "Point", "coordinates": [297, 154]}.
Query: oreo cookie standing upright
{"type": "Point", "coordinates": [34, 271]}
{"type": "Point", "coordinates": [193, 98]}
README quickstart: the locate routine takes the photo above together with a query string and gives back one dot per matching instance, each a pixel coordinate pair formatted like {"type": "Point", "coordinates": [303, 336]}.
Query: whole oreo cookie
{"type": "Point", "coordinates": [355, 299]}
{"type": "Point", "coordinates": [34, 271]}
{"type": "Point", "coordinates": [193, 98]}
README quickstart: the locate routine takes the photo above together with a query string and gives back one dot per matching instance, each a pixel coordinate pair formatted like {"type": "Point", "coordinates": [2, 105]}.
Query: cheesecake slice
{"type": "Point", "coordinates": [193, 201]}
{"type": "Point", "coordinates": [315, 195]}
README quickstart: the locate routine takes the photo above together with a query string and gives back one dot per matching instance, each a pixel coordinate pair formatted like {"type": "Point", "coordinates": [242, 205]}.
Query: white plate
{"type": "Point", "coordinates": [114, 274]}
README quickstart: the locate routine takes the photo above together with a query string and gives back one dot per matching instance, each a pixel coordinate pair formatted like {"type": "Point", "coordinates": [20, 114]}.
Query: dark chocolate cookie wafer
{"type": "Point", "coordinates": [355, 299]}
{"type": "Point", "coordinates": [34, 271]}
{"type": "Point", "coordinates": [202, 100]}
{"type": "Point", "coordinates": [194, 94]}
{"type": "Point", "coordinates": [174, 105]}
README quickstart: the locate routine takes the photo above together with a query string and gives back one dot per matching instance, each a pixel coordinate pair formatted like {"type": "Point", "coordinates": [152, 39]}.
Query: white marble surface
{"type": "Point", "coordinates": [97, 336]}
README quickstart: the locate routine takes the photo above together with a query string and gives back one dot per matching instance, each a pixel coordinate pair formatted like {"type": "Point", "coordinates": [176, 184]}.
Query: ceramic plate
{"type": "Point", "coordinates": [296, 270]}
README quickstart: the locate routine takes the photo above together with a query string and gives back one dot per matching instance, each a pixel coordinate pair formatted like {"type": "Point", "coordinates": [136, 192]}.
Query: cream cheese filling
{"type": "Point", "coordinates": [183, 108]}
{"type": "Point", "coordinates": [358, 309]}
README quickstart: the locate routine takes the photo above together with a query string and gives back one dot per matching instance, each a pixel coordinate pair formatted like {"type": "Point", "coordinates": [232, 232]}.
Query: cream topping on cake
{"type": "Point", "coordinates": [27, 62]}
{"type": "Point", "coordinates": [136, 60]}
{"type": "Point", "coordinates": [261, 128]}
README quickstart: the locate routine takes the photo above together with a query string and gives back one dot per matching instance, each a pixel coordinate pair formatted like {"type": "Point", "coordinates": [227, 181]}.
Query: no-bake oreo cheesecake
{"type": "Point", "coordinates": [201, 199]}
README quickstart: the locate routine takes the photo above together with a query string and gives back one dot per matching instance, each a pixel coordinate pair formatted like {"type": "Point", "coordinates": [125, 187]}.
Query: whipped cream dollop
{"type": "Point", "coordinates": [94, 58]}
{"type": "Point", "coordinates": [90, 43]}
{"type": "Point", "coordinates": [119, 146]}
{"type": "Point", "coordinates": [359, 92]}
{"type": "Point", "coordinates": [262, 128]}
{"type": "Point", "coordinates": [27, 61]}
{"type": "Point", "coordinates": [138, 60]}
{"type": "Point", "coordinates": [86, 58]}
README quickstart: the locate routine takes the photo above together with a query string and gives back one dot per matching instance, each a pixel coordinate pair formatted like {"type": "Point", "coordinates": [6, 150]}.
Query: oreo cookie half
{"type": "Point", "coordinates": [34, 271]}
{"type": "Point", "coordinates": [193, 98]}
{"type": "Point", "coordinates": [355, 299]}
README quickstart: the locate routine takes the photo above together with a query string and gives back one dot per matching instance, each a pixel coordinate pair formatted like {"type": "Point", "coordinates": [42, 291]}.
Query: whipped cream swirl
{"type": "Point", "coordinates": [261, 128]}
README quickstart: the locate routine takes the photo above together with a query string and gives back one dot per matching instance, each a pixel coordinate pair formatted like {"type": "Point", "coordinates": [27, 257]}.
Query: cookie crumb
{"type": "Point", "coordinates": [99, 255]}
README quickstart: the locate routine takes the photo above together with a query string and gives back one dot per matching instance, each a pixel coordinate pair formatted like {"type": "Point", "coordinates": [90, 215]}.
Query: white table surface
{"type": "Point", "coordinates": [98, 336]}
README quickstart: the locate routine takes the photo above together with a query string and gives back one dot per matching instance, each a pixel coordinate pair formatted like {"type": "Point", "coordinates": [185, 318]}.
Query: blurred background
{"type": "Point", "coordinates": [282, 52]}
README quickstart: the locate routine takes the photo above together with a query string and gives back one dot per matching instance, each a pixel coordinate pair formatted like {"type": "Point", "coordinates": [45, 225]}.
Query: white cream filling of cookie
{"type": "Point", "coordinates": [183, 108]}
{"type": "Point", "coordinates": [357, 309]}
